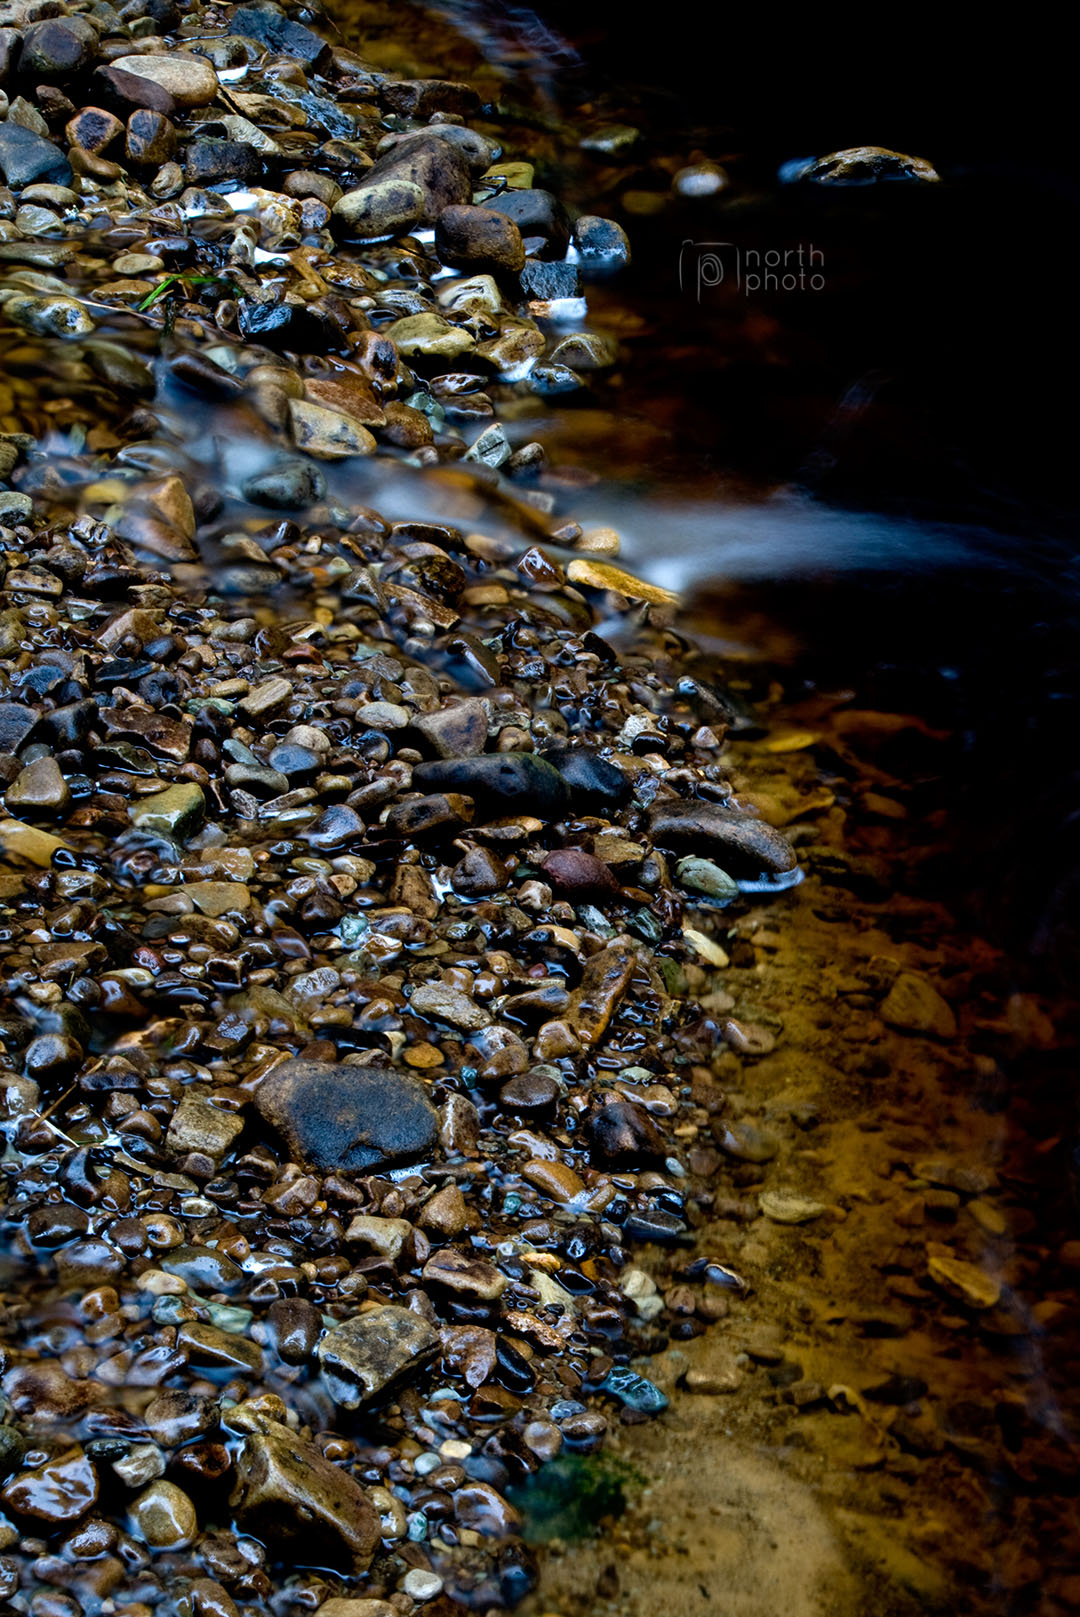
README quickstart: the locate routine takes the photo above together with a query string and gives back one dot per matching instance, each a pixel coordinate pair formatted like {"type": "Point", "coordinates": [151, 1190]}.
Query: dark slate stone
{"type": "Point", "coordinates": [26, 158]}
{"type": "Point", "coordinates": [274, 30]}
{"type": "Point", "coordinates": [71, 724]}
{"type": "Point", "coordinates": [295, 761]}
{"type": "Point", "coordinates": [545, 282]}
{"type": "Point", "coordinates": [336, 1116]}
{"type": "Point", "coordinates": [302, 329]}
{"type": "Point", "coordinates": [594, 782]}
{"type": "Point", "coordinates": [17, 724]}
{"type": "Point", "coordinates": [10, 46]}
{"type": "Point", "coordinates": [505, 783]}
{"type": "Point", "coordinates": [210, 161]}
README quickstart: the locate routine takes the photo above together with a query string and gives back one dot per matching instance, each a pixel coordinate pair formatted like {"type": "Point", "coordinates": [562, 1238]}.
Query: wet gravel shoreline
{"type": "Point", "coordinates": [351, 1035]}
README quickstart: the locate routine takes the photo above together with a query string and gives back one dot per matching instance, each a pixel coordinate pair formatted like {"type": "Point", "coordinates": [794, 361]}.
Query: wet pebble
{"type": "Point", "coordinates": [163, 1516]}
{"type": "Point", "coordinates": [347, 1117]}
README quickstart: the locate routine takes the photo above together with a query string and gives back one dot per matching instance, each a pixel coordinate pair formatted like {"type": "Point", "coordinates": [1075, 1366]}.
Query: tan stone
{"type": "Point", "coordinates": [553, 1179]}
{"type": "Point", "coordinates": [602, 575]}
{"type": "Point", "coordinates": [288, 1495]}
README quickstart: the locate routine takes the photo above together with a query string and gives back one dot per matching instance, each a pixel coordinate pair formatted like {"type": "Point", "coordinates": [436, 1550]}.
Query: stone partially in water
{"type": "Point", "coordinates": [367, 1353]}
{"type": "Point", "coordinates": [429, 335]}
{"type": "Point", "coordinates": [204, 1269]}
{"type": "Point", "coordinates": [865, 165]}
{"type": "Point", "coordinates": [328, 433]}
{"type": "Point", "coordinates": [58, 48]}
{"type": "Point", "coordinates": [455, 732]}
{"type": "Point", "coordinates": [21, 841]}
{"type": "Point", "coordinates": [197, 1125]}
{"type": "Point", "coordinates": [603, 575]}
{"type": "Point", "coordinates": [471, 238]}
{"type": "Point", "coordinates": [634, 1390]}
{"type": "Point", "coordinates": [742, 845]}
{"type": "Point", "coordinates": [603, 983]}
{"type": "Point", "coordinates": [435, 165]}
{"type": "Point", "coordinates": [280, 34]}
{"type": "Point", "coordinates": [595, 351]}
{"type": "Point", "coordinates": [596, 785]}
{"type": "Point", "coordinates": [540, 218]}
{"type": "Point", "coordinates": [624, 1132]}
{"type": "Point", "coordinates": [39, 787]}
{"type": "Point", "coordinates": [448, 1004]}
{"type": "Point", "coordinates": [459, 1272]}
{"type": "Point", "coordinates": [306, 1508]}
{"type": "Point", "coordinates": [341, 1116]}
{"type": "Point", "coordinates": [579, 875]}
{"type": "Point", "coordinates": [702, 876]}
{"type": "Point", "coordinates": [386, 208]}
{"type": "Point", "coordinates": [164, 1517]}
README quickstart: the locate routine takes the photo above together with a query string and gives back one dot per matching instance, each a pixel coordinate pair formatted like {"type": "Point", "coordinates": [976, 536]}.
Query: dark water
{"type": "Point", "coordinates": [866, 469]}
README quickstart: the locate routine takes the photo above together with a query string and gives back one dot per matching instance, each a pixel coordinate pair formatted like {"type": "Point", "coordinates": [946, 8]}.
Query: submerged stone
{"type": "Point", "coordinates": [288, 486]}
{"type": "Point", "coordinates": [914, 1006]}
{"type": "Point", "coordinates": [634, 1390]}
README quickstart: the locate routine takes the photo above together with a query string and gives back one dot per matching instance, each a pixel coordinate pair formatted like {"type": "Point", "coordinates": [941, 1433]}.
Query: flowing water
{"type": "Point", "coordinates": [831, 435]}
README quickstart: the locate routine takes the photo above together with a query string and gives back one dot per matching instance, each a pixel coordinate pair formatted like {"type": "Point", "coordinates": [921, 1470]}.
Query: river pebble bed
{"type": "Point", "coordinates": [454, 1035]}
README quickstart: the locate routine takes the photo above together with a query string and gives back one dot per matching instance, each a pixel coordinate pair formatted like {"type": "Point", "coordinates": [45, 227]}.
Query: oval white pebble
{"type": "Point", "coordinates": [422, 1585]}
